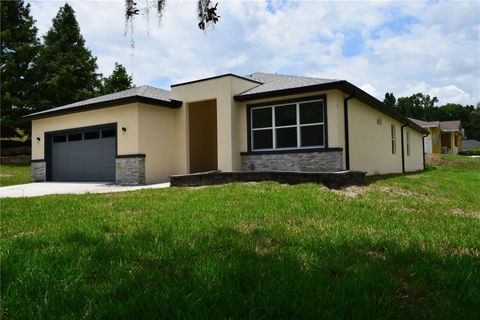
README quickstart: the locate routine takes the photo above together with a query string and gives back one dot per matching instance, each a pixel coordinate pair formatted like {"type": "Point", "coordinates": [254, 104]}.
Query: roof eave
{"type": "Point", "coordinates": [342, 85]}
{"type": "Point", "coordinates": [172, 104]}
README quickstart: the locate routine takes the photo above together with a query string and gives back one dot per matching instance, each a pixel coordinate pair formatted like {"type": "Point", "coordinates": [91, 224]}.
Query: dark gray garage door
{"type": "Point", "coordinates": [84, 155]}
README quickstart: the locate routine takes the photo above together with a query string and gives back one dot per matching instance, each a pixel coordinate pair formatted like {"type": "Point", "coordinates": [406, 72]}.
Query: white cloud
{"type": "Point", "coordinates": [435, 49]}
{"type": "Point", "coordinates": [451, 93]}
{"type": "Point", "coordinates": [367, 87]}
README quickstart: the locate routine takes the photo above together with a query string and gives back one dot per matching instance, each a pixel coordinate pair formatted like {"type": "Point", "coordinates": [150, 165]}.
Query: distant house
{"type": "Point", "coordinates": [444, 136]}
{"type": "Point", "coordinates": [470, 144]}
{"type": "Point", "coordinates": [262, 122]}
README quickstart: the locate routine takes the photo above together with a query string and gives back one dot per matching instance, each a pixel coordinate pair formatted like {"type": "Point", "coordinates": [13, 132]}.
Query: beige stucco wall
{"type": "Point", "coordinates": [222, 89]}
{"type": "Point", "coordinates": [158, 141]}
{"type": "Point", "coordinates": [125, 116]}
{"type": "Point", "coordinates": [370, 143]}
{"type": "Point", "coordinates": [414, 161]}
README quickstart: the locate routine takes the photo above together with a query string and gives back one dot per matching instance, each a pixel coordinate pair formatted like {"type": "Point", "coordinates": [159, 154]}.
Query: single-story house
{"type": "Point", "coordinates": [443, 136]}
{"type": "Point", "coordinates": [469, 144]}
{"type": "Point", "coordinates": [261, 122]}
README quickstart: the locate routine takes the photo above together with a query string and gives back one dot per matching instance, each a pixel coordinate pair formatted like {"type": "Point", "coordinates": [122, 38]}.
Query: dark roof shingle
{"type": "Point", "coordinates": [146, 92]}
{"type": "Point", "coordinates": [275, 82]}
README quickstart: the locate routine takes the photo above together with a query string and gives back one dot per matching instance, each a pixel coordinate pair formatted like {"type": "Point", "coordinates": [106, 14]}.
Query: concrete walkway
{"type": "Point", "coordinates": [47, 188]}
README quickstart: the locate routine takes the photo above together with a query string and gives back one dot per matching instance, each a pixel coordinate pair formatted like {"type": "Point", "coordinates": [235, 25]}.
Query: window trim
{"type": "Point", "coordinates": [272, 105]}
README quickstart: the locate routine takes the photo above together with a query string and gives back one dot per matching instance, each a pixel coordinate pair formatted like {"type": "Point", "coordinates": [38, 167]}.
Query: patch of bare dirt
{"type": "Point", "coordinates": [460, 213]}
{"type": "Point", "coordinates": [434, 159]}
{"type": "Point", "coordinates": [376, 255]}
{"type": "Point", "coordinates": [4, 175]}
{"type": "Point", "coordinates": [268, 245]}
{"type": "Point", "coordinates": [352, 191]}
{"type": "Point", "coordinates": [246, 227]}
{"type": "Point", "coordinates": [475, 252]}
{"type": "Point", "coordinates": [23, 234]}
{"type": "Point", "coordinates": [404, 192]}
{"type": "Point", "coordinates": [355, 191]}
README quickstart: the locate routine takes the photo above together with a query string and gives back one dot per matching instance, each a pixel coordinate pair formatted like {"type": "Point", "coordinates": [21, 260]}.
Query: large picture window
{"type": "Point", "coordinates": [288, 126]}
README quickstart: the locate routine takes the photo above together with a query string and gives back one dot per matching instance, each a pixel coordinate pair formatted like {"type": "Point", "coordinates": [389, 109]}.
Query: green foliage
{"type": "Point", "coordinates": [390, 100]}
{"type": "Point", "coordinates": [20, 46]}
{"type": "Point", "coordinates": [423, 107]}
{"type": "Point", "coordinates": [472, 152]}
{"type": "Point", "coordinates": [417, 105]}
{"type": "Point", "coordinates": [119, 80]}
{"type": "Point", "coordinates": [16, 151]}
{"type": "Point", "coordinates": [67, 67]}
{"type": "Point", "coordinates": [404, 247]}
{"type": "Point", "coordinates": [472, 125]}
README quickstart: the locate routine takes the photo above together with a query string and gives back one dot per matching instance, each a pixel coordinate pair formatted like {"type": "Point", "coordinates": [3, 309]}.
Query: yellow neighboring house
{"type": "Point", "coordinates": [444, 136]}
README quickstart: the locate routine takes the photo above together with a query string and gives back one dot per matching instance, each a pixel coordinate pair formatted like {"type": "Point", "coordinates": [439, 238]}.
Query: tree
{"type": "Point", "coordinates": [418, 106]}
{"type": "Point", "coordinates": [20, 45]}
{"type": "Point", "coordinates": [207, 13]}
{"type": "Point", "coordinates": [390, 100]}
{"type": "Point", "coordinates": [423, 107]}
{"type": "Point", "coordinates": [117, 81]}
{"type": "Point", "coordinates": [472, 126]}
{"type": "Point", "coordinates": [67, 67]}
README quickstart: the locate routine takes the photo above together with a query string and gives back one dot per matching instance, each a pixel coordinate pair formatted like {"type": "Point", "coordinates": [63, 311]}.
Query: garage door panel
{"type": "Point", "coordinates": [84, 160]}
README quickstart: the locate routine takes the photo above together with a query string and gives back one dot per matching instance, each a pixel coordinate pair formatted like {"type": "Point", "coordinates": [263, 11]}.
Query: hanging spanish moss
{"type": "Point", "coordinates": [207, 13]}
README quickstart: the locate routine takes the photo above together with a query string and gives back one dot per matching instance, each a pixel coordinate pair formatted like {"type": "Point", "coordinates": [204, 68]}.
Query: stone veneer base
{"type": "Point", "coordinates": [130, 170]}
{"type": "Point", "coordinates": [322, 161]}
{"type": "Point", "coordinates": [39, 171]}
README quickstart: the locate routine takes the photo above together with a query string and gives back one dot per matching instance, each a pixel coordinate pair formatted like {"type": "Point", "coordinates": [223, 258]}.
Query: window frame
{"type": "Point", "coordinates": [278, 104]}
{"type": "Point", "coordinates": [393, 136]}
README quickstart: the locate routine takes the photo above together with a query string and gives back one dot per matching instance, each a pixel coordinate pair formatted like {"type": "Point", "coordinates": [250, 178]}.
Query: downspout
{"type": "Point", "coordinates": [403, 153]}
{"type": "Point", "coordinates": [347, 139]}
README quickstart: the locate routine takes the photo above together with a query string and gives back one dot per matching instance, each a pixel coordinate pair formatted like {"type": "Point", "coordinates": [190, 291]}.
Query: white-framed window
{"type": "Point", "coordinates": [394, 139]}
{"type": "Point", "coordinates": [408, 143]}
{"type": "Point", "coordinates": [297, 125]}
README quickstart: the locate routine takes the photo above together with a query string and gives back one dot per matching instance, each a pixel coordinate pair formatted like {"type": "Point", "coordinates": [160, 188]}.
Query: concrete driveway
{"type": "Point", "coordinates": [47, 188]}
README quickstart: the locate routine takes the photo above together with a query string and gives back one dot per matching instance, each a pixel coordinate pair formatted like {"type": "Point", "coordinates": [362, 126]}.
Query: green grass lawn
{"type": "Point", "coordinates": [401, 247]}
{"type": "Point", "coordinates": [11, 174]}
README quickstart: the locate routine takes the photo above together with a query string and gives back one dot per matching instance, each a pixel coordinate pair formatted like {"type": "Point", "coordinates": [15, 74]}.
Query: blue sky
{"type": "Point", "coordinates": [402, 47]}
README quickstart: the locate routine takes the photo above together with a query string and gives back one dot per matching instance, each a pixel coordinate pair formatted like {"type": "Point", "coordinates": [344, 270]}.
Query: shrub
{"type": "Point", "coordinates": [17, 151]}
{"type": "Point", "coordinates": [472, 152]}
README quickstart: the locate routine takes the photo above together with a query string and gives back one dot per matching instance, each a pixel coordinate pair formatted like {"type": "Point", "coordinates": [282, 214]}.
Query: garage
{"type": "Point", "coordinates": [82, 154]}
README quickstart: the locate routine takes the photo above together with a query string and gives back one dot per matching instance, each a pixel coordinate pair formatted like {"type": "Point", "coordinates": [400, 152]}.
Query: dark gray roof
{"type": "Point", "coordinates": [146, 92]}
{"type": "Point", "coordinates": [470, 144]}
{"type": "Point", "coordinates": [275, 82]}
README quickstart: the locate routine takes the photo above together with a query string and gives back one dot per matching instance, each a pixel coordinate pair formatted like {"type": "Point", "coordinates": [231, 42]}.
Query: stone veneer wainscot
{"type": "Point", "coordinates": [326, 160]}
{"type": "Point", "coordinates": [130, 169]}
{"type": "Point", "coordinates": [39, 170]}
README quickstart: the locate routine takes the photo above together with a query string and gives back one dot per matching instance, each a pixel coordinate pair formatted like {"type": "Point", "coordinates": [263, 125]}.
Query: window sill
{"type": "Point", "coordinates": [291, 151]}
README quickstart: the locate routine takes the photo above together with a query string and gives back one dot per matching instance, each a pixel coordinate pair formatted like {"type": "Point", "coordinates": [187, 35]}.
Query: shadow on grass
{"type": "Point", "coordinates": [229, 273]}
